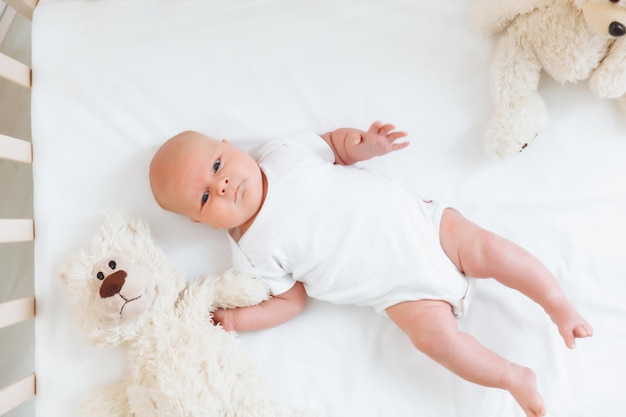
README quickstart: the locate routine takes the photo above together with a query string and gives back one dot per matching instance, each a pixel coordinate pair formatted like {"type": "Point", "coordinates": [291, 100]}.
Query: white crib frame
{"type": "Point", "coordinates": [17, 230]}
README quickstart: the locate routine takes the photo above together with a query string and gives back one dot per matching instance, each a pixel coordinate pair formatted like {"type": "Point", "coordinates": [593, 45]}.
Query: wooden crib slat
{"type": "Point", "coordinates": [16, 311]}
{"type": "Point", "coordinates": [16, 394]}
{"type": "Point", "coordinates": [15, 149]}
{"type": "Point", "coordinates": [6, 20]}
{"type": "Point", "coordinates": [14, 71]}
{"type": "Point", "coordinates": [23, 7]}
{"type": "Point", "coordinates": [16, 230]}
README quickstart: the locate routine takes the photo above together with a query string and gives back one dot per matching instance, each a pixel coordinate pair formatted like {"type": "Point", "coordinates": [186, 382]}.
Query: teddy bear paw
{"type": "Point", "coordinates": [606, 85]}
{"type": "Point", "coordinates": [498, 147]}
{"type": "Point", "coordinates": [512, 128]}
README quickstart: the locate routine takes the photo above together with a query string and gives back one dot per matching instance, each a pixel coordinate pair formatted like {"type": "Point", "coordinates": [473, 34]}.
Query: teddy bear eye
{"type": "Point", "coordinates": [100, 276]}
{"type": "Point", "coordinates": [112, 264]}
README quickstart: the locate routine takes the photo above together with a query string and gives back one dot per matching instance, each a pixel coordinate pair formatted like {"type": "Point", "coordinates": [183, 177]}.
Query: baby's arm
{"type": "Point", "coordinates": [354, 145]}
{"type": "Point", "coordinates": [270, 313]}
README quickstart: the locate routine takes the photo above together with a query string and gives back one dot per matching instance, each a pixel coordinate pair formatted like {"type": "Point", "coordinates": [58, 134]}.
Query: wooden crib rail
{"type": "Point", "coordinates": [23, 7]}
{"type": "Point", "coordinates": [13, 312]}
{"type": "Point", "coordinates": [16, 230]}
{"type": "Point", "coordinates": [10, 68]}
{"type": "Point", "coordinates": [16, 311]}
{"type": "Point", "coordinates": [15, 149]}
{"type": "Point", "coordinates": [16, 394]}
{"type": "Point", "coordinates": [7, 16]}
{"type": "Point", "coordinates": [15, 71]}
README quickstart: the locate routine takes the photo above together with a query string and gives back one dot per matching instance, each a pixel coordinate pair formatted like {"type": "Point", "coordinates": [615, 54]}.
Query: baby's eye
{"type": "Point", "coordinates": [205, 197]}
{"type": "Point", "coordinates": [216, 165]}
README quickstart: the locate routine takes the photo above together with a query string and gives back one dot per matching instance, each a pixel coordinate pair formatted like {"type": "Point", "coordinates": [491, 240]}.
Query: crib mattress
{"type": "Point", "coordinates": [112, 79]}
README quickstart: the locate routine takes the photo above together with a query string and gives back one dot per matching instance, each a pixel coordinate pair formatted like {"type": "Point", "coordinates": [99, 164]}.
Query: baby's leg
{"type": "Point", "coordinates": [434, 331]}
{"type": "Point", "coordinates": [482, 254]}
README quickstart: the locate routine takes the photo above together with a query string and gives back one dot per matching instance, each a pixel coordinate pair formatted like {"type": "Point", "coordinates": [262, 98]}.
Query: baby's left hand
{"type": "Point", "coordinates": [353, 145]}
{"type": "Point", "coordinates": [378, 140]}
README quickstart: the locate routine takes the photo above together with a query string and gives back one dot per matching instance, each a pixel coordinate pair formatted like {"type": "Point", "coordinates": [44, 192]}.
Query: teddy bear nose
{"type": "Point", "coordinates": [113, 284]}
{"type": "Point", "coordinates": [617, 29]}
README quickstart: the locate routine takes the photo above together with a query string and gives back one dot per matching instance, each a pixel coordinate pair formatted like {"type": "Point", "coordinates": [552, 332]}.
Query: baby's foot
{"type": "Point", "coordinates": [570, 323]}
{"type": "Point", "coordinates": [522, 384]}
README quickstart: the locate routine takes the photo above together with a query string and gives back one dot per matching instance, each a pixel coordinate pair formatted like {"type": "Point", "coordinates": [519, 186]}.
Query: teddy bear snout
{"type": "Point", "coordinates": [617, 29]}
{"type": "Point", "coordinates": [113, 284]}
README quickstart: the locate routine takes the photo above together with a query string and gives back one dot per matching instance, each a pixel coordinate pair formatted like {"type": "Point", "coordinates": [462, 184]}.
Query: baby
{"type": "Point", "coordinates": [306, 221]}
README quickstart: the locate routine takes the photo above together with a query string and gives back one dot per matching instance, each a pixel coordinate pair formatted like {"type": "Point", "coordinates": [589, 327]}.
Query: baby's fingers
{"type": "Point", "coordinates": [393, 136]}
{"type": "Point", "coordinates": [375, 127]}
{"type": "Point", "coordinates": [386, 128]}
{"type": "Point", "coordinates": [398, 146]}
{"type": "Point", "coordinates": [381, 128]}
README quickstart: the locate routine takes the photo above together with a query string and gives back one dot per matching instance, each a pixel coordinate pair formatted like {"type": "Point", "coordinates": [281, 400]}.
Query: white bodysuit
{"type": "Point", "coordinates": [349, 235]}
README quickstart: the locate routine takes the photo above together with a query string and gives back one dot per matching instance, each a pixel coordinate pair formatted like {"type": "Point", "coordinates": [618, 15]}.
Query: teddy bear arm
{"type": "Point", "coordinates": [109, 401]}
{"type": "Point", "coordinates": [228, 290]}
{"type": "Point", "coordinates": [608, 80]}
{"type": "Point", "coordinates": [237, 290]}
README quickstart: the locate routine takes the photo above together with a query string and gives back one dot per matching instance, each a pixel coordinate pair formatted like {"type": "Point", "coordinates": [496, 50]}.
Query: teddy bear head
{"type": "Point", "coordinates": [605, 17]}
{"type": "Point", "coordinates": [120, 283]}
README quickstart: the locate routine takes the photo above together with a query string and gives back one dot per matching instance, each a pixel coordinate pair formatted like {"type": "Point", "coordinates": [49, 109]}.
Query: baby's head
{"type": "Point", "coordinates": [207, 180]}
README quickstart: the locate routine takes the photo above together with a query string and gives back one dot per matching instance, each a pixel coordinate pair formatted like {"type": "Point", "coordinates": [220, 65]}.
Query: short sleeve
{"type": "Point", "coordinates": [305, 143]}
{"type": "Point", "coordinates": [276, 284]}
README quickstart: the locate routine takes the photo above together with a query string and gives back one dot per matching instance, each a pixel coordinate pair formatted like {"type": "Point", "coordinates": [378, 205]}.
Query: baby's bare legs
{"type": "Point", "coordinates": [482, 254]}
{"type": "Point", "coordinates": [434, 331]}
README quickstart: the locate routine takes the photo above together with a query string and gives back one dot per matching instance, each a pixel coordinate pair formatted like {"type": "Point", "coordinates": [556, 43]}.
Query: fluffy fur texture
{"type": "Point", "coordinates": [571, 40]}
{"type": "Point", "coordinates": [123, 291]}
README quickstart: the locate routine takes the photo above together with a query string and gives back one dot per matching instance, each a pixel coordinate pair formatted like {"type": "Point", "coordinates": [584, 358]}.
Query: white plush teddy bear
{"type": "Point", "coordinates": [124, 292]}
{"type": "Point", "coordinates": [571, 40]}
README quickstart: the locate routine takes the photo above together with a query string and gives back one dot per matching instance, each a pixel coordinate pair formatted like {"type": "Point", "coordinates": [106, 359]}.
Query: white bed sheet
{"type": "Point", "coordinates": [112, 79]}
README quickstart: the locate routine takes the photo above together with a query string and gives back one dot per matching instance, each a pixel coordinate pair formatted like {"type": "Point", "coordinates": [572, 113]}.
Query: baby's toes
{"type": "Point", "coordinates": [569, 338]}
{"type": "Point", "coordinates": [583, 330]}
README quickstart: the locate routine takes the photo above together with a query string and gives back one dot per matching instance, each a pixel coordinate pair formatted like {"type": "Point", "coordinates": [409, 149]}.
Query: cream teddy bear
{"type": "Point", "coordinates": [571, 40]}
{"type": "Point", "coordinates": [124, 292]}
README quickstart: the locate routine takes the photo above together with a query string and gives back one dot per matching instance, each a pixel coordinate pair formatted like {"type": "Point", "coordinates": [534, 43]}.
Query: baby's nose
{"type": "Point", "coordinates": [223, 187]}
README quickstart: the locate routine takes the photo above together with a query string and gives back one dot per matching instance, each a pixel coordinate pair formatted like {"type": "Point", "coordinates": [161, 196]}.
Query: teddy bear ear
{"type": "Point", "coordinates": [67, 273]}
{"type": "Point", "coordinates": [63, 277]}
{"type": "Point", "coordinates": [119, 222]}
{"type": "Point", "coordinates": [117, 219]}
{"type": "Point", "coordinates": [123, 233]}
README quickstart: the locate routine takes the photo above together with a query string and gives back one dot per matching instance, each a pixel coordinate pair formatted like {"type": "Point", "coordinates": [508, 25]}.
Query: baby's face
{"type": "Point", "coordinates": [209, 181]}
